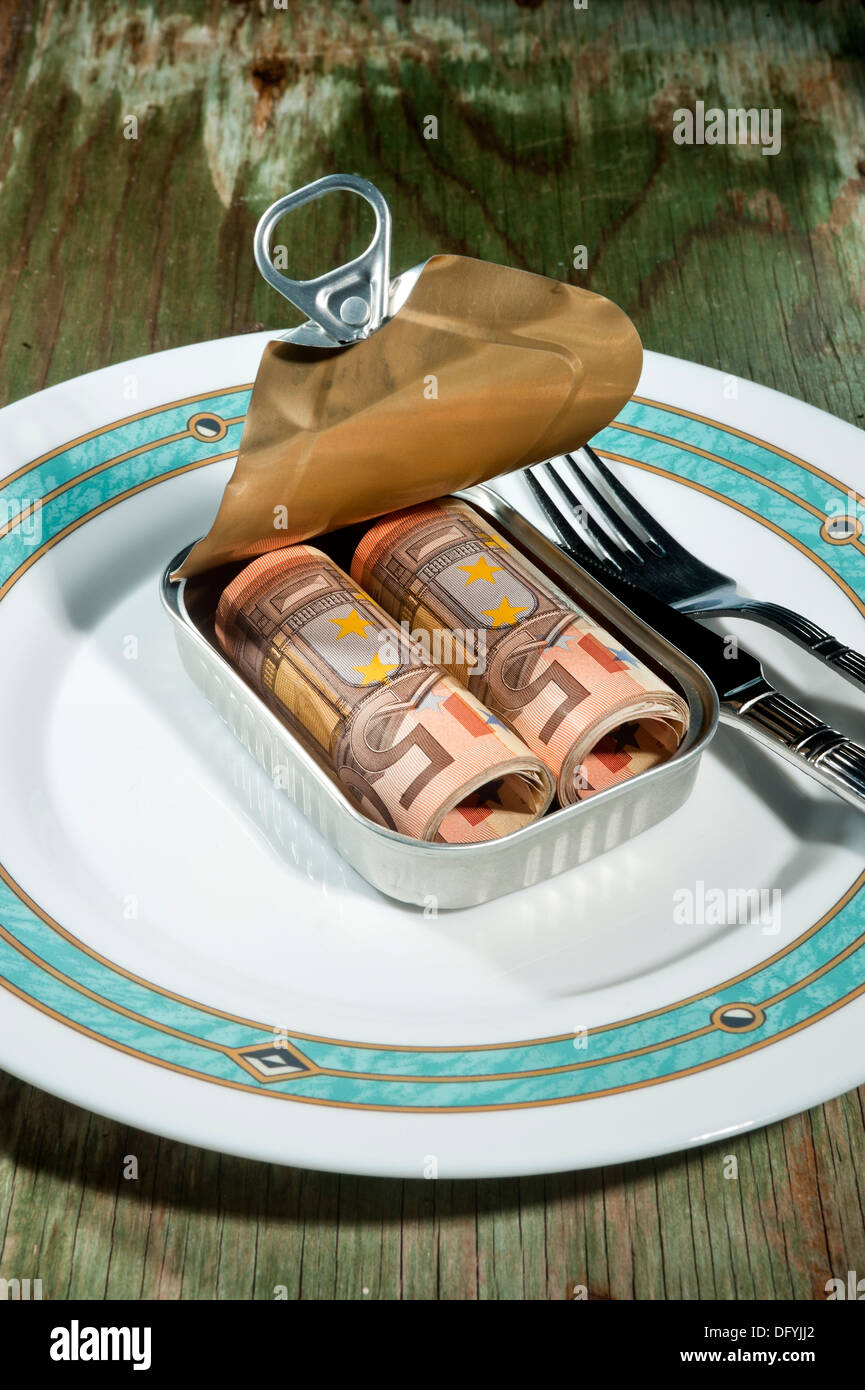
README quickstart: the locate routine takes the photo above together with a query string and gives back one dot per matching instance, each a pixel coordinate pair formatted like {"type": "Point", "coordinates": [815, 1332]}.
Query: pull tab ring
{"type": "Point", "coordinates": [350, 302]}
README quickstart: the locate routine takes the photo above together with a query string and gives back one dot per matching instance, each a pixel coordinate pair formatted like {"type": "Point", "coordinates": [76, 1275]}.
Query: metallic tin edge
{"type": "Point", "coordinates": [701, 696]}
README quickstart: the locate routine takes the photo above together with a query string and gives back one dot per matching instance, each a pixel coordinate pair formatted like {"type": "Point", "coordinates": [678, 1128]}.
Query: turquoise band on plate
{"type": "Point", "coordinates": [39, 961]}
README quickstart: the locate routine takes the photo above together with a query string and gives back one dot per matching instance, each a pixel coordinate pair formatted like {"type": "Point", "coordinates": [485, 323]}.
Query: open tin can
{"type": "Point", "coordinates": [450, 876]}
{"type": "Point", "coordinates": [345, 306]}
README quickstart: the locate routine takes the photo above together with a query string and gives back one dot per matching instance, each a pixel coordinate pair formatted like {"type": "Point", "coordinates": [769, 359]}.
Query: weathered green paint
{"type": "Point", "coordinates": [198, 1225]}
{"type": "Point", "coordinates": [555, 130]}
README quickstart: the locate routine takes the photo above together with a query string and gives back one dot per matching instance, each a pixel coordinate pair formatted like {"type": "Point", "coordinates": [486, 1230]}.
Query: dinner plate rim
{"type": "Point", "coordinates": [377, 1161]}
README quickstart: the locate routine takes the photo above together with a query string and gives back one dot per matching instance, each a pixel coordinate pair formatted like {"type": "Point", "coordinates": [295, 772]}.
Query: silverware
{"type": "Point", "coordinates": [747, 700]}
{"type": "Point", "coordinates": [624, 536]}
{"type": "Point", "coordinates": [440, 876]}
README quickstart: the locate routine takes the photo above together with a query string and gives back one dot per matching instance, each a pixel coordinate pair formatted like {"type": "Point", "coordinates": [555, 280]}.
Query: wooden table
{"type": "Point", "coordinates": [554, 130]}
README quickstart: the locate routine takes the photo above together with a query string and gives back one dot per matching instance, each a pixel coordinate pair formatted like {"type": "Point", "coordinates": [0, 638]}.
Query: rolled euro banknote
{"type": "Point", "coordinates": [409, 746]}
{"type": "Point", "coordinates": [592, 711]}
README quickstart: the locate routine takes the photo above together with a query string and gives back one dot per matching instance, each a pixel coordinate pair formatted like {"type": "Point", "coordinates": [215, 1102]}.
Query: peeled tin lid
{"type": "Point", "coordinates": [399, 391]}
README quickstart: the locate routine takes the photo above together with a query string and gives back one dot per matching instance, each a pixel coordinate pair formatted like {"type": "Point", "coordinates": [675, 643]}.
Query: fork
{"type": "Point", "coordinates": [624, 537]}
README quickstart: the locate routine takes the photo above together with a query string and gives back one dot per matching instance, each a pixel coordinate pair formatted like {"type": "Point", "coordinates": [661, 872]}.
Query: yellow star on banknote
{"type": "Point", "coordinates": [504, 615]}
{"type": "Point", "coordinates": [353, 623]}
{"type": "Point", "coordinates": [494, 541]}
{"type": "Point", "coordinates": [481, 569]}
{"type": "Point", "coordinates": [376, 671]}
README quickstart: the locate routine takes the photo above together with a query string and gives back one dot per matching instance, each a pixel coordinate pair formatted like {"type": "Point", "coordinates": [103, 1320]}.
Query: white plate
{"type": "Point", "coordinates": [163, 966]}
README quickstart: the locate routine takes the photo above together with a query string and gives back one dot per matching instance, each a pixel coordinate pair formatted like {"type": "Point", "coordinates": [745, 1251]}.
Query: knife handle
{"type": "Point", "coordinates": [784, 727]}
{"type": "Point", "coordinates": [848, 663]}
{"type": "Point", "coordinates": [808, 635]}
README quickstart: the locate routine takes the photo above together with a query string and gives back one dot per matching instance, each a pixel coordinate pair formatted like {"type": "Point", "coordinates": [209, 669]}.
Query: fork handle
{"type": "Point", "coordinates": [814, 639]}
{"type": "Point", "coordinates": [784, 727]}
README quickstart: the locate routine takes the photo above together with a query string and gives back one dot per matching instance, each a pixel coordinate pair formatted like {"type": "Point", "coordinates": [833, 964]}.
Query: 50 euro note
{"type": "Point", "coordinates": [591, 710]}
{"type": "Point", "coordinates": [408, 746]}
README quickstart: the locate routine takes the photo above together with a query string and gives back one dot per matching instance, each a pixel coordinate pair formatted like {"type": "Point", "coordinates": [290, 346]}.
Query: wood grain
{"type": "Point", "coordinates": [554, 131]}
